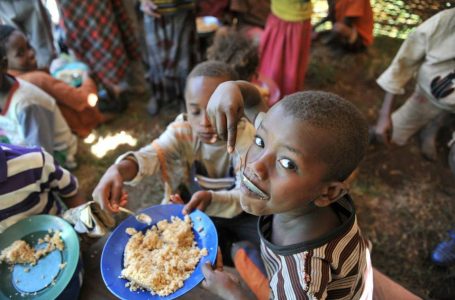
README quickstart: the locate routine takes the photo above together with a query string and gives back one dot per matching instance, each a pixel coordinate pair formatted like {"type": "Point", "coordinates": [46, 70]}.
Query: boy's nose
{"type": "Point", "coordinates": [205, 120]}
{"type": "Point", "coordinates": [259, 168]}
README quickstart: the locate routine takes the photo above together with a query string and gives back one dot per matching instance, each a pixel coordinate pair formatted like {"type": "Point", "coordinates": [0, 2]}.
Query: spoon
{"type": "Point", "coordinates": [142, 218]}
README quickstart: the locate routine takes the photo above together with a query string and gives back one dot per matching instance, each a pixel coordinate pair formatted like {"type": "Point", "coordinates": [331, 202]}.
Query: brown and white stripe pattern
{"type": "Point", "coordinates": [330, 268]}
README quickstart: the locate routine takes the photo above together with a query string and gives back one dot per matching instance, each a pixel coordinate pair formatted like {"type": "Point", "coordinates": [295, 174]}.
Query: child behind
{"type": "Point", "coordinates": [30, 116]}
{"type": "Point", "coordinates": [304, 148]}
{"type": "Point", "coordinates": [237, 50]}
{"type": "Point", "coordinates": [191, 161]}
{"type": "Point", "coordinates": [81, 115]}
{"type": "Point", "coordinates": [352, 24]}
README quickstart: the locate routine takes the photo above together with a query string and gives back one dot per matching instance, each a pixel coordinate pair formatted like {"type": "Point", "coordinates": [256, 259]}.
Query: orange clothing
{"type": "Point", "coordinates": [363, 14]}
{"type": "Point", "coordinates": [79, 115]}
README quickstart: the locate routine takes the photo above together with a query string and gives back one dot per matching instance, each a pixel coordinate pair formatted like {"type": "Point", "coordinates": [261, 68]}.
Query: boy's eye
{"type": "Point", "coordinates": [195, 112]}
{"type": "Point", "coordinates": [287, 164]}
{"type": "Point", "coordinates": [259, 142]}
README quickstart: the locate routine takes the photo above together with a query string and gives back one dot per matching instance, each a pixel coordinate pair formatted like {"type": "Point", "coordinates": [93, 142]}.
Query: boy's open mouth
{"type": "Point", "coordinates": [253, 188]}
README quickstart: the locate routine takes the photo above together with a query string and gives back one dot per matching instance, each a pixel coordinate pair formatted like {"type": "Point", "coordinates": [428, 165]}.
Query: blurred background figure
{"type": "Point", "coordinates": [32, 18]}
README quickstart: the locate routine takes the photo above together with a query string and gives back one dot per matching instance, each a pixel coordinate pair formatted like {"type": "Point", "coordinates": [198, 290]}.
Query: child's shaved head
{"type": "Point", "coordinates": [344, 123]}
{"type": "Point", "coordinates": [213, 69]}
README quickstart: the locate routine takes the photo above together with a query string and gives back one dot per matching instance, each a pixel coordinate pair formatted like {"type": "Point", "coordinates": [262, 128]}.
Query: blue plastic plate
{"type": "Point", "coordinates": [112, 257]}
{"type": "Point", "coordinates": [45, 280]}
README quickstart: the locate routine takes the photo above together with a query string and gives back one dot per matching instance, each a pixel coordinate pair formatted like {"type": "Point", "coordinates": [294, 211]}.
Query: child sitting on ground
{"type": "Point", "coordinates": [81, 115]}
{"type": "Point", "coordinates": [352, 24]}
{"type": "Point", "coordinates": [28, 177]}
{"type": "Point", "coordinates": [31, 117]}
{"type": "Point", "coordinates": [304, 148]}
{"type": "Point", "coordinates": [192, 162]}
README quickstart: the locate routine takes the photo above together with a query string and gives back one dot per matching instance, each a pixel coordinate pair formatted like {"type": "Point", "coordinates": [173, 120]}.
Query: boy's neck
{"type": "Point", "coordinates": [288, 229]}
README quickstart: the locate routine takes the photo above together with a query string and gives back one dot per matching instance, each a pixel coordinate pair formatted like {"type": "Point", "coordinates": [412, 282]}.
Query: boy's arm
{"type": "Point", "coordinates": [62, 182]}
{"type": "Point", "coordinates": [131, 167]}
{"type": "Point", "coordinates": [383, 128]}
{"type": "Point", "coordinates": [231, 101]}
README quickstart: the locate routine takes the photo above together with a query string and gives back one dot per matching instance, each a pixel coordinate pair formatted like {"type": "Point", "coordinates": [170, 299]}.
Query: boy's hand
{"type": "Point", "coordinates": [225, 109]}
{"type": "Point", "coordinates": [222, 284]}
{"type": "Point", "coordinates": [150, 8]}
{"type": "Point", "coordinates": [200, 200]}
{"type": "Point", "coordinates": [383, 130]}
{"type": "Point", "coordinates": [109, 191]}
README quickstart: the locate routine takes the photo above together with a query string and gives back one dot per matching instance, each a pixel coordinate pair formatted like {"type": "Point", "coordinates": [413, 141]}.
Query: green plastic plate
{"type": "Point", "coordinates": [45, 280]}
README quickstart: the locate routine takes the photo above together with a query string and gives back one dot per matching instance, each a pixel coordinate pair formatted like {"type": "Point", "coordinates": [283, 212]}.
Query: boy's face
{"type": "Point", "coordinates": [197, 95]}
{"type": "Point", "coordinates": [21, 56]}
{"type": "Point", "coordinates": [283, 172]}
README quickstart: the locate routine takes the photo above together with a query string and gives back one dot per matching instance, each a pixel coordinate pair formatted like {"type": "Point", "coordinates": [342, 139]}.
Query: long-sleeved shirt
{"type": "Point", "coordinates": [428, 52]}
{"type": "Point", "coordinates": [73, 102]}
{"type": "Point", "coordinates": [31, 117]}
{"type": "Point", "coordinates": [28, 176]}
{"type": "Point", "coordinates": [172, 155]}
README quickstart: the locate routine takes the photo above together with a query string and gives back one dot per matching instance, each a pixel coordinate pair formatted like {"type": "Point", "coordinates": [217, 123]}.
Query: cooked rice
{"type": "Point", "coordinates": [20, 252]}
{"type": "Point", "coordinates": [162, 258]}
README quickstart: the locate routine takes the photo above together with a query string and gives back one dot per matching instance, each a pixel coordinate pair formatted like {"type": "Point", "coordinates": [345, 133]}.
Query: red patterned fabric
{"type": "Point", "coordinates": [100, 33]}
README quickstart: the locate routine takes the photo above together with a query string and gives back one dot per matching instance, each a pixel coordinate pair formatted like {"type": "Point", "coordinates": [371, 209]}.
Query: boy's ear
{"type": "Point", "coordinates": [331, 193]}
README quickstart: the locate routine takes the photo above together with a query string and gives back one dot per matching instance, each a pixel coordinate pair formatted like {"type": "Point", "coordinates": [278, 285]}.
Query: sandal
{"type": "Point", "coordinates": [444, 253]}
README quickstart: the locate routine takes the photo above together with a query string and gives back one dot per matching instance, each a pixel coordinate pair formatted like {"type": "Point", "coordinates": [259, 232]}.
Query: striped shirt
{"type": "Point", "coordinates": [331, 267]}
{"type": "Point", "coordinates": [28, 176]}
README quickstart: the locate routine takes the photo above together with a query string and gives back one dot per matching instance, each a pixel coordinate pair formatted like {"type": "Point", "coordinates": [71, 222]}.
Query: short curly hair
{"type": "Point", "coordinates": [237, 50]}
{"type": "Point", "coordinates": [346, 125]}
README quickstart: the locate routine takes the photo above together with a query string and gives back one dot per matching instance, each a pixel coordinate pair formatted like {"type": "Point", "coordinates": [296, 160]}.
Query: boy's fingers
{"type": "Point", "coordinates": [190, 206]}
{"type": "Point", "coordinates": [207, 270]}
{"type": "Point", "coordinates": [221, 126]}
{"type": "Point", "coordinates": [231, 132]}
{"type": "Point", "coordinates": [219, 260]}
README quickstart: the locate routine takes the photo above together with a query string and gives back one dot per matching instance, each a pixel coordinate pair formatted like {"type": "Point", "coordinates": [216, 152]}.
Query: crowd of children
{"type": "Point", "coordinates": [270, 175]}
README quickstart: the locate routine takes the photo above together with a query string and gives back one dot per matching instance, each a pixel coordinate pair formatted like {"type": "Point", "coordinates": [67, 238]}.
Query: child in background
{"type": "Point", "coordinates": [31, 193]}
{"type": "Point", "coordinates": [285, 44]}
{"type": "Point", "coordinates": [32, 18]}
{"type": "Point", "coordinates": [30, 116]}
{"type": "Point", "coordinates": [81, 115]}
{"type": "Point", "coordinates": [305, 147]}
{"type": "Point", "coordinates": [171, 38]}
{"type": "Point", "coordinates": [352, 24]}
{"type": "Point", "coordinates": [237, 50]}
{"type": "Point", "coordinates": [191, 162]}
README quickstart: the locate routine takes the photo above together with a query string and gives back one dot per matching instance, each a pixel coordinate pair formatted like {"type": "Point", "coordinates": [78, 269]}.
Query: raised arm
{"type": "Point", "coordinates": [231, 101]}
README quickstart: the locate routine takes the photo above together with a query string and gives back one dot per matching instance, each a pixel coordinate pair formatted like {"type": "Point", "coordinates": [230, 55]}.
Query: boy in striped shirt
{"type": "Point", "coordinates": [304, 148]}
{"type": "Point", "coordinates": [29, 177]}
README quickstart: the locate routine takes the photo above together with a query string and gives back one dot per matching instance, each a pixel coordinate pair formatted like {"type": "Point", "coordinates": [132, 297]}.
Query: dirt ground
{"type": "Point", "coordinates": [405, 203]}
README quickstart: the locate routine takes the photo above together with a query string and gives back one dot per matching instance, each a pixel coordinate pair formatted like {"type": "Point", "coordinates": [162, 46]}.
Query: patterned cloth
{"type": "Point", "coordinates": [172, 52]}
{"type": "Point", "coordinates": [100, 34]}
{"type": "Point", "coordinates": [335, 266]}
{"type": "Point", "coordinates": [27, 178]}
